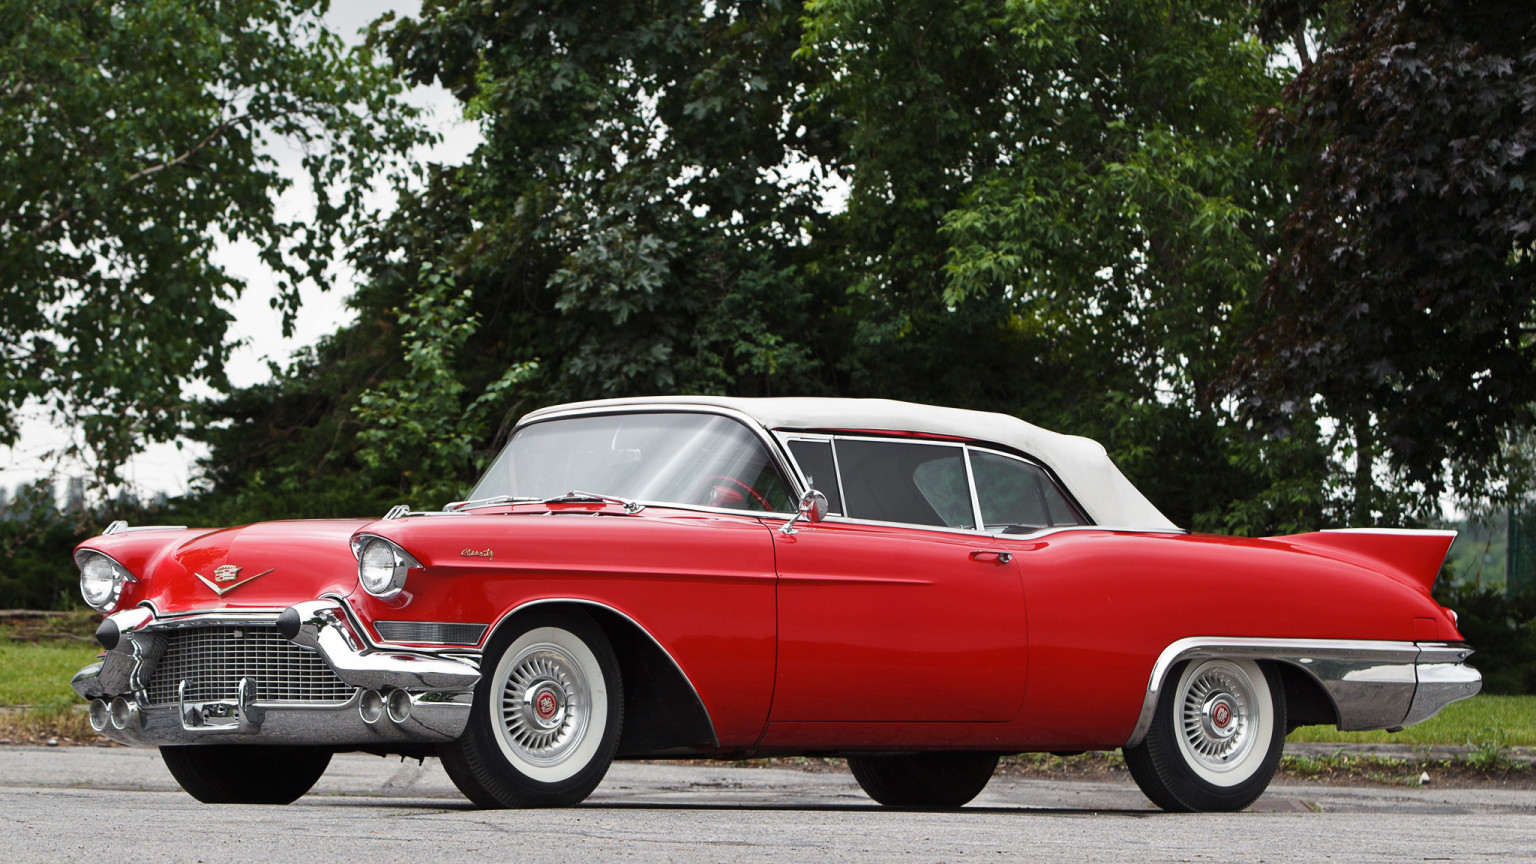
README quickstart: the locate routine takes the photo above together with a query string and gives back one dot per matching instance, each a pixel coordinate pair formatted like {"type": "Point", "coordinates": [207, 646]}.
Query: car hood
{"type": "Point", "coordinates": [269, 565]}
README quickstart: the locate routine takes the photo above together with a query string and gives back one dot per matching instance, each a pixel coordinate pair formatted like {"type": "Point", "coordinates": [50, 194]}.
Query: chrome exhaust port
{"type": "Point", "coordinates": [399, 706]}
{"type": "Point", "coordinates": [101, 715]}
{"type": "Point", "coordinates": [370, 706]}
{"type": "Point", "coordinates": [125, 715]}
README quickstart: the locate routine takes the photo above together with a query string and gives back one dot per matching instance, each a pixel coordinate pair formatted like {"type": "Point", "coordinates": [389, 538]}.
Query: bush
{"type": "Point", "coordinates": [36, 570]}
{"type": "Point", "coordinates": [1502, 629]}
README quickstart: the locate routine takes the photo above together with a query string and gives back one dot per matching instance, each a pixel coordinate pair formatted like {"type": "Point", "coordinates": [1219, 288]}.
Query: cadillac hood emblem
{"type": "Point", "coordinates": [226, 578]}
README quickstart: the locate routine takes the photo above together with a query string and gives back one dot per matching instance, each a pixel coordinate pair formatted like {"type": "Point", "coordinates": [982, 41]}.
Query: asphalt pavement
{"type": "Point", "coordinates": [117, 804]}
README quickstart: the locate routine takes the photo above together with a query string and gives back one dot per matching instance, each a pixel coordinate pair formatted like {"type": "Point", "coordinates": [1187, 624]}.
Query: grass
{"type": "Point", "coordinates": [37, 659]}
{"type": "Point", "coordinates": [1480, 722]}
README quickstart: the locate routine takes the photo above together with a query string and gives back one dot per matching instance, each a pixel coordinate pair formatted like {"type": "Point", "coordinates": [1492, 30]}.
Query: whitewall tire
{"type": "Point", "coordinates": [546, 716]}
{"type": "Point", "coordinates": [1215, 739]}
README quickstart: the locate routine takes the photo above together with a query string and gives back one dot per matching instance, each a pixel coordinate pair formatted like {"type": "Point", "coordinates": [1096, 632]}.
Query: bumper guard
{"type": "Point", "coordinates": [401, 696]}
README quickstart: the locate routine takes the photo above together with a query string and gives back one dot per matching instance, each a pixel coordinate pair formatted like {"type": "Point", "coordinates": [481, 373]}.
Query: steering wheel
{"type": "Point", "coordinates": [713, 482]}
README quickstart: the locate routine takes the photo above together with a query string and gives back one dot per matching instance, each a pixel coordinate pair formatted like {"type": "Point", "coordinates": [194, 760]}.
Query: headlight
{"type": "Point", "coordinates": [101, 579]}
{"type": "Point", "coordinates": [381, 565]}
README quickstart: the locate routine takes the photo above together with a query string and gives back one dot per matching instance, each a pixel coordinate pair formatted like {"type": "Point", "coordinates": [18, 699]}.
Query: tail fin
{"type": "Point", "coordinates": [1412, 555]}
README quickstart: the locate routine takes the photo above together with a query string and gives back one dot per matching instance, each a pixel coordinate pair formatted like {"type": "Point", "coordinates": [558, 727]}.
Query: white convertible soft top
{"type": "Point", "coordinates": [1081, 463]}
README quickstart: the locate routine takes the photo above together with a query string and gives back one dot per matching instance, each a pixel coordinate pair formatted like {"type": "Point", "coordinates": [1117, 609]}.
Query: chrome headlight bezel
{"type": "Point", "coordinates": [382, 565]}
{"type": "Point", "coordinates": [101, 579]}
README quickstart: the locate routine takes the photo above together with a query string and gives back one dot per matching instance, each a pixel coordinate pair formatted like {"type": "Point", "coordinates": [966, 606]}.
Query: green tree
{"type": "Point", "coordinates": [1054, 209]}
{"type": "Point", "coordinates": [133, 135]}
{"type": "Point", "coordinates": [421, 420]}
{"type": "Point", "coordinates": [1402, 305]}
{"type": "Point", "coordinates": [1058, 209]}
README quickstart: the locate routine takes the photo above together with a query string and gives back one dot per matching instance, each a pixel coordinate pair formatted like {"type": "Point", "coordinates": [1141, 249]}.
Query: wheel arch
{"type": "Point", "coordinates": [1375, 679]}
{"type": "Point", "coordinates": [662, 708]}
{"type": "Point", "coordinates": [1307, 702]}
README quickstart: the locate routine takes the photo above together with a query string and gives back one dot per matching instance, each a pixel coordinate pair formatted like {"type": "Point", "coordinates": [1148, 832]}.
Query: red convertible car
{"type": "Point", "coordinates": [917, 589]}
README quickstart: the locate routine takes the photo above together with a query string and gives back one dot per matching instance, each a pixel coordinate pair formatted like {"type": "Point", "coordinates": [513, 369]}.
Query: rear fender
{"type": "Point", "coordinates": [1409, 556]}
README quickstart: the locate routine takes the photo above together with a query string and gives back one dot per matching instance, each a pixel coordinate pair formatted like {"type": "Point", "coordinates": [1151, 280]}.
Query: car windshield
{"type": "Point", "coordinates": [681, 458]}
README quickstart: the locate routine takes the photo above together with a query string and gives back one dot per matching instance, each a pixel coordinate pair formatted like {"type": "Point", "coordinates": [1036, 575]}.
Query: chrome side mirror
{"type": "Point", "coordinates": [813, 509]}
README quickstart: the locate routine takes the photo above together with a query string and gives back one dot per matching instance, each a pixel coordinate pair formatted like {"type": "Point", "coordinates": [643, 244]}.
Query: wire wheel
{"type": "Point", "coordinates": [548, 711]}
{"type": "Point", "coordinates": [546, 704]}
{"type": "Point", "coordinates": [1216, 736]}
{"type": "Point", "coordinates": [1217, 716]}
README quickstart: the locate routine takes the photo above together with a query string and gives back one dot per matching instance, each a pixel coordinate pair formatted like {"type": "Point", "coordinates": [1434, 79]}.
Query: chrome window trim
{"type": "Point", "coordinates": [672, 505]}
{"type": "Point", "coordinates": [784, 437]}
{"type": "Point", "coordinates": [775, 451]}
{"type": "Point", "coordinates": [912, 526]}
{"type": "Point", "coordinates": [898, 439]}
{"type": "Point", "coordinates": [1373, 681]}
{"type": "Point", "coordinates": [545, 601]}
{"type": "Point", "coordinates": [970, 479]}
{"type": "Point", "coordinates": [837, 469]}
{"type": "Point", "coordinates": [1066, 529]}
{"type": "Point", "coordinates": [1049, 476]}
{"type": "Point", "coordinates": [787, 435]}
{"type": "Point", "coordinates": [776, 442]}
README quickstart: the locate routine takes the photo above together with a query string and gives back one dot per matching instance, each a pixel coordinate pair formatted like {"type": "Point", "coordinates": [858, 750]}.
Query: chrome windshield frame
{"type": "Point", "coordinates": [770, 444]}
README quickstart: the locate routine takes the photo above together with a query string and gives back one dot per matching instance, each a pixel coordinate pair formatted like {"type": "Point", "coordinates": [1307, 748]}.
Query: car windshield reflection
{"type": "Point", "coordinates": [682, 458]}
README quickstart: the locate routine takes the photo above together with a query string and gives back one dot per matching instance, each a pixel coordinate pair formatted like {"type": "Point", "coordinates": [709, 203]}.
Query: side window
{"type": "Point", "coordinates": [816, 463]}
{"type": "Point", "coordinates": [894, 481]}
{"type": "Point", "coordinates": [1016, 494]}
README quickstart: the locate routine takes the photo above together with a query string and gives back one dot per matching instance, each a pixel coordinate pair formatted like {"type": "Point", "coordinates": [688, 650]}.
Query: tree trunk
{"type": "Point", "coordinates": [1365, 485]}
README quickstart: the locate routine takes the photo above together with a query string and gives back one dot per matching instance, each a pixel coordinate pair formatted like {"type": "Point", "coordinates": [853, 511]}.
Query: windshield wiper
{"type": "Point", "coordinates": [575, 497]}
{"type": "Point", "coordinates": [487, 502]}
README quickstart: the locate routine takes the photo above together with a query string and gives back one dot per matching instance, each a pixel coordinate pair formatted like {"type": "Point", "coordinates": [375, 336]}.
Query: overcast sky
{"type": "Point", "coordinates": [164, 468]}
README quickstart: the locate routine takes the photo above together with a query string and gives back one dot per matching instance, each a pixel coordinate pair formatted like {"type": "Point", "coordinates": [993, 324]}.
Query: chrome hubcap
{"type": "Point", "coordinates": [1218, 715]}
{"type": "Point", "coordinates": [545, 704]}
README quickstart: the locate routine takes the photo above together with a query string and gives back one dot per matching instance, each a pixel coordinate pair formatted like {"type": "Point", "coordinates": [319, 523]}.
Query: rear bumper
{"type": "Point", "coordinates": [1442, 678]}
{"type": "Point", "coordinates": [1372, 684]}
{"type": "Point", "coordinates": [396, 696]}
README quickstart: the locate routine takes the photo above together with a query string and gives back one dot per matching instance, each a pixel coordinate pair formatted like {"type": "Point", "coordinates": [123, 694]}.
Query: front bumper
{"type": "Point", "coordinates": [374, 696]}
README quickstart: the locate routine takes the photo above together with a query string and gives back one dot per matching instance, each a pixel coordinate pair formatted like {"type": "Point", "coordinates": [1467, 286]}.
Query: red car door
{"type": "Point", "coordinates": [890, 622]}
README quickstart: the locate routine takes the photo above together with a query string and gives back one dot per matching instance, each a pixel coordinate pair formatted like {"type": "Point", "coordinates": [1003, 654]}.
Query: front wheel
{"type": "Point", "coordinates": [1215, 739]}
{"type": "Point", "coordinates": [546, 716]}
{"type": "Point", "coordinates": [939, 779]}
{"type": "Point", "coordinates": [245, 774]}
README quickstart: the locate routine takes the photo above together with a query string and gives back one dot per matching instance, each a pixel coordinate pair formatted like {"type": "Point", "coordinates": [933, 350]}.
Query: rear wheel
{"type": "Point", "coordinates": [1215, 739]}
{"type": "Point", "coordinates": [241, 774]}
{"type": "Point", "coordinates": [546, 716]}
{"type": "Point", "coordinates": [939, 779]}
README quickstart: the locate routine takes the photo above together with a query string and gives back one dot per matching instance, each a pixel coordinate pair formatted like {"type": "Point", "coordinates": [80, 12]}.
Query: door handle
{"type": "Point", "coordinates": [992, 554]}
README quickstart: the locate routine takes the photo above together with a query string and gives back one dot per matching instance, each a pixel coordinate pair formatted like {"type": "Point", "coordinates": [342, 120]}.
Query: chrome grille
{"type": "Point", "coordinates": [430, 632]}
{"type": "Point", "coordinates": [212, 660]}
